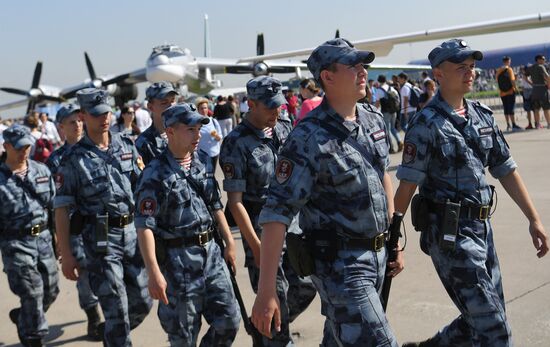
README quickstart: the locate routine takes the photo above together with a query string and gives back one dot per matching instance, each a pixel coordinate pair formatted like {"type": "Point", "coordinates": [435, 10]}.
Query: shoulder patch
{"type": "Point", "coordinates": [283, 170]}
{"type": "Point", "coordinates": [148, 207]}
{"type": "Point", "coordinates": [228, 170]}
{"type": "Point", "coordinates": [59, 180]}
{"type": "Point", "coordinates": [409, 152]}
{"type": "Point", "coordinates": [42, 179]}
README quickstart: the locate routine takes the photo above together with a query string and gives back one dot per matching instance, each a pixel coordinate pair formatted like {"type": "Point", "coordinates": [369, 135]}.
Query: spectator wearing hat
{"type": "Point", "coordinates": [211, 134]}
{"type": "Point", "coordinates": [507, 89]}
{"type": "Point", "coordinates": [95, 182]}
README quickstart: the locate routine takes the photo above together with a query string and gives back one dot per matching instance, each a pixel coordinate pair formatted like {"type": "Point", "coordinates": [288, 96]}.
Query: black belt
{"type": "Point", "coordinates": [114, 221]}
{"type": "Point", "coordinates": [188, 241]}
{"type": "Point", "coordinates": [371, 244]}
{"type": "Point", "coordinates": [467, 212]}
{"type": "Point", "coordinates": [35, 230]}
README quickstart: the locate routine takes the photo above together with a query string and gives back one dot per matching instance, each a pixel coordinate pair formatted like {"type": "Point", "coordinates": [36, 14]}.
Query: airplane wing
{"type": "Point", "coordinates": [382, 46]}
{"type": "Point", "coordinates": [233, 66]}
{"type": "Point", "coordinates": [14, 104]}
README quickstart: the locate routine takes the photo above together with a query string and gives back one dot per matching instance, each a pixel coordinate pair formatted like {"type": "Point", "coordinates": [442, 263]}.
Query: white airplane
{"type": "Point", "coordinates": [196, 74]}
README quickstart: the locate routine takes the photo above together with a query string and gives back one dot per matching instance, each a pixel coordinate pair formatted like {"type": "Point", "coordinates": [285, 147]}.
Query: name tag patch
{"type": "Point", "coordinates": [42, 179]}
{"type": "Point", "coordinates": [378, 135]}
{"type": "Point", "coordinates": [485, 131]}
{"type": "Point", "coordinates": [126, 156]}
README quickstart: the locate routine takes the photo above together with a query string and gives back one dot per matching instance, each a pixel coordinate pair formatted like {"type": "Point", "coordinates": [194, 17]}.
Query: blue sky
{"type": "Point", "coordinates": [118, 35]}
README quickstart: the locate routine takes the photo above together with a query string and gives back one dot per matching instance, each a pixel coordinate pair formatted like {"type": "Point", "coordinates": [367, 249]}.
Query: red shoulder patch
{"type": "Point", "coordinates": [59, 180]}
{"type": "Point", "coordinates": [283, 170]}
{"type": "Point", "coordinates": [148, 207]}
{"type": "Point", "coordinates": [409, 152]}
{"type": "Point", "coordinates": [228, 170]}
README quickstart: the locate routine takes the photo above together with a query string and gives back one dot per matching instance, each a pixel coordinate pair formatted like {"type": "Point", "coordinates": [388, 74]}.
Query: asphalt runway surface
{"type": "Point", "coordinates": [418, 306]}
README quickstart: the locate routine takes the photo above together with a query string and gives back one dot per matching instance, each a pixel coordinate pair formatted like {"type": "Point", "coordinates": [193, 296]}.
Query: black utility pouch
{"type": "Point", "coordinates": [449, 225]}
{"type": "Point", "coordinates": [101, 232]}
{"type": "Point", "coordinates": [298, 250]}
{"type": "Point", "coordinates": [420, 213]}
{"type": "Point", "coordinates": [325, 246]}
{"type": "Point", "coordinates": [160, 251]}
{"type": "Point", "coordinates": [76, 223]}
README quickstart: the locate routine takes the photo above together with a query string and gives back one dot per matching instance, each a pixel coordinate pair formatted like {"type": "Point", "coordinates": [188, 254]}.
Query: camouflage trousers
{"type": "Point", "coordinates": [119, 279]}
{"type": "Point", "coordinates": [198, 285]}
{"type": "Point", "coordinates": [31, 267]}
{"type": "Point", "coordinates": [471, 276]}
{"type": "Point", "coordinates": [349, 289]}
{"type": "Point", "coordinates": [86, 297]}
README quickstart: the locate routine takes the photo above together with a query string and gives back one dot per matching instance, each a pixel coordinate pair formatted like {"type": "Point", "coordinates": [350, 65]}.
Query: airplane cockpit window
{"type": "Point", "coordinates": [168, 50]}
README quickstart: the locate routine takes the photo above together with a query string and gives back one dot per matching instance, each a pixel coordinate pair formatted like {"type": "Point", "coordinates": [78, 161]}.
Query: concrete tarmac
{"type": "Point", "coordinates": [418, 306]}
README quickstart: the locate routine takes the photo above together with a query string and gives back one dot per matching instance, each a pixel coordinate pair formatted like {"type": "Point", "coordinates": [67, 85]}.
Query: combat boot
{"type": "Point", "coordinates": [95, 326]}
{"type": "Point", "coordinates": [34, 343]}
{"type": "Point", "coordinates": [427, 343]}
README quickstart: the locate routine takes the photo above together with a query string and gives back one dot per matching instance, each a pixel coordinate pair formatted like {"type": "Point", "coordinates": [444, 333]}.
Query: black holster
{"type": "Point", "coordinates": [420, 213]}
{"type": "Point", "coordinates": [160, 251]}
{"type": "Point", "coordinates": [300, 255]}
{"type": "Point", "coordinates": [76, 223]}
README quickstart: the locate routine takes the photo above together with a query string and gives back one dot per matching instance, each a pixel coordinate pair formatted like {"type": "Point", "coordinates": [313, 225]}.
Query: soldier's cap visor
{"type": "Point", "coordinates": [178, 114]}
{"type": "Point", "coordinates": [457, 57]}
{"type": "Point", "coordinates": [355, 57]}
{"type": "Point", "coordinates": [273, 101]}
{"type": "Point", "coordinates": [98, 110]}
{"type": "Point", "coordinates": [24, 141]}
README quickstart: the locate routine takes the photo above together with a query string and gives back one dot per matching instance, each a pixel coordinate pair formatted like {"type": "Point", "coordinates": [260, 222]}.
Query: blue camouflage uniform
{"type": "Point", "coordinates": [449, 164]}
{"type": "Point", "coordinates": [340, 198]}
{"type": "Point", "coordinates": [86, 297]}
{"type": "Point", "coordinates": [248, 157]}
{"type": "Point", "coordinates": [25, 240]}
{"type": "Point", "coordinates": [151, 143]}
{"type": "Point", "coordinates": [99, 182]}
{"type": "Point", "coordinates": [198, 279]}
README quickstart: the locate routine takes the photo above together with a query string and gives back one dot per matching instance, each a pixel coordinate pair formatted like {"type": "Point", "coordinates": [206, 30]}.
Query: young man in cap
{"type": "Point", "coordinates": [447, 148]}
{"type": "Point", "coordinates": [247, 157]}
{"type": "Point", "coordinates": [152, 141]}
{"type": "Point", "coordinates": [70, 128]}
{"type": "Point", "coordinates": [175, 207]}
{"type": "Point", "coordinates": [95, 181]}
{"type": "Point", "coordinates": [332, 169]}
{"type": "Point", "coordinates": [26, 193]}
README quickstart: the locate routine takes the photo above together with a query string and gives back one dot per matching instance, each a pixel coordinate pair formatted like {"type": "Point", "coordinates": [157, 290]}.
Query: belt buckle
{"type": "Point", "coordinates": [124, 220]}
{"type": "Point", "coordinates": [379, 242]}
{"type": "Point", "coordinates": [203, 238]}
{"type": "Point", "coordinates": [35, 230]}
{"type": "Point", "coordinates": [484, 212]}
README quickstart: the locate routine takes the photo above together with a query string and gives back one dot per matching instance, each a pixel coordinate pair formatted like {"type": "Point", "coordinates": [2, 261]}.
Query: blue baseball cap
{"type": "Point", "coordinates": [336, 51]}
{"type": "Point", "coordinates": [18, 136]}
{"type": "Point", "coordinates": [159, 90]}
{"type": "Point", "coordinates": [454, 50]}
{"type": "Point", "coordinates": [267, 90]}
{"type": "Point", "coordinates": [183, 113]}
{"type": "Point", "coordinates": [94, 101]}
{"type": "Point", "coordinates": [65, 111]}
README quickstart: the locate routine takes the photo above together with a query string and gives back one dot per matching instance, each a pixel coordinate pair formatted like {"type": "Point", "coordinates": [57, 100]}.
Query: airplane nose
{"type": "Point", "coordinates": [159, 60]}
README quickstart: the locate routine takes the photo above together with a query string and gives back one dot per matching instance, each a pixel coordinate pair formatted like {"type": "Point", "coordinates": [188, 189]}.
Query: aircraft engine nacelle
{"type": "Point", "coordinates": [260, 69]}
{"type": "Point", "coordinates": [124, 93]}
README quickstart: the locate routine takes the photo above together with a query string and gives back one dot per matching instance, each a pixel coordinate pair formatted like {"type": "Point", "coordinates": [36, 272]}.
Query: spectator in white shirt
{"type": "Point", "coordinates": [143, 118]}
{"type": "Point", "coordinates": [407, 110]}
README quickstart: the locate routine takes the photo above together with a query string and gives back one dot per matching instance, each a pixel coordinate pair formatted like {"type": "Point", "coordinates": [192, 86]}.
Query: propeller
{"type": "Point", "coordinates": [35, 95]}
{"type": "Point", "coordinates": [260, 48]}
